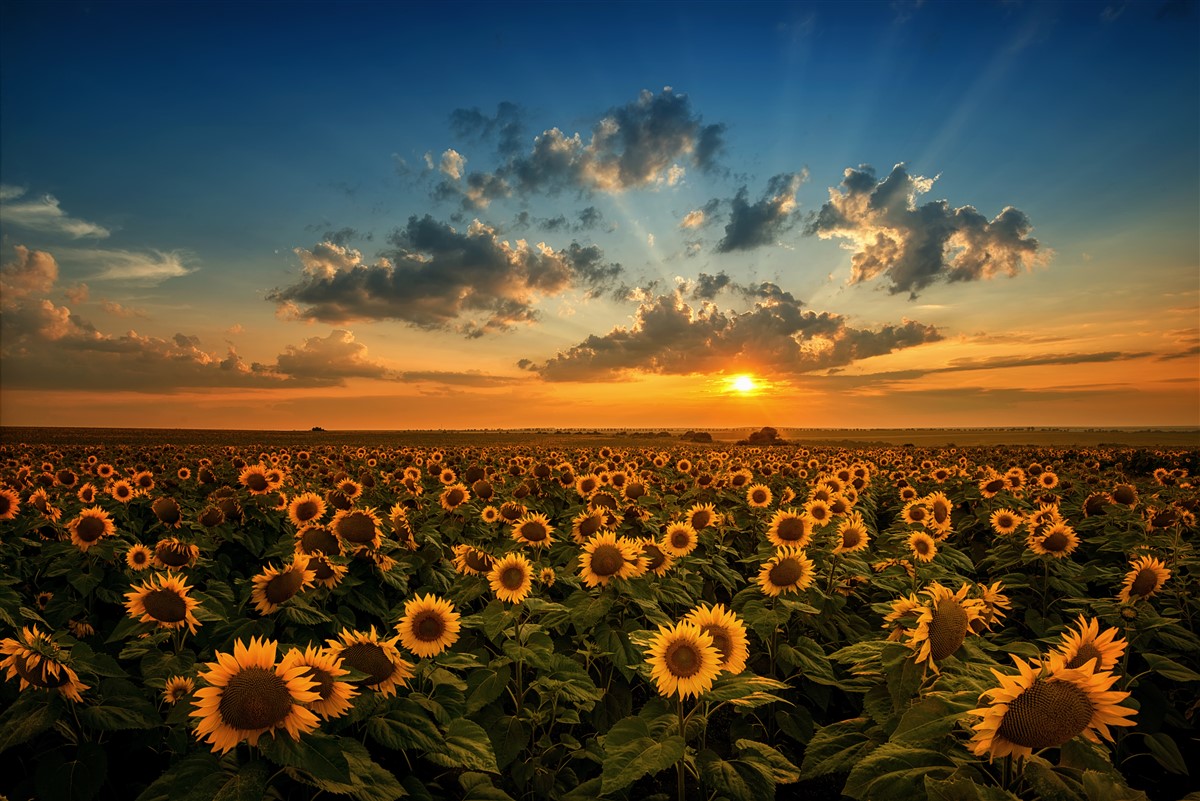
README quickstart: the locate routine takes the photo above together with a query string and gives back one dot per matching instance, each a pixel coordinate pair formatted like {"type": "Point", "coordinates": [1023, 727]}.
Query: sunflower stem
{"type": "Point", "coordinates": [1007, 771]}
{"type": "Point", "coordinates": [679, 766]}
{"type": "Point", "coordinates": [832, 569]}
{"type": "Point", "coordinates": [520, 696]}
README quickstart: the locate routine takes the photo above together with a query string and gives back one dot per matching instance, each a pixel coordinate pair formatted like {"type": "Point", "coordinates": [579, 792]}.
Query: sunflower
{"type": "Point", "coordinates": [1146, 576]}
{"type": "Point", "coordinates": [317, 539]}
{"type": "Point", "coordinates": [167, 511]}
{"type": "Point", "coordinates": [1057, 540]}
{"type": "Point", "coordinates": [683, 660]}
{"type": "Point", "coordinates": [1125, 495]}
{"type": "Point", "coordinates": [323, 668]}
{"type": "Point", "coordinates": [471, 562]}
{"type": "Point", "coordinates": [818, 511]}
{"type": "Point", "coordinates": [548, 576]}
{"type": "Point", "coordinates": [789, 570]}
{"type": "Point", "coordinates": [728, 633]}
{"type": "Point", "coordinates": [701, 515]}
{"type": "Point", "coordinates": [1045, 705]}
{"type": "Point", "coordinates": [10, 504]}
{"type": "Point", "coordinates": [1047, 480]}
{"type": "Point", "coordinates": [994, 603]}
{"type": "Point", "coordinates": [852, 535]}
{"type": "Point", "coordinates": [177, 688]}
{"type": "Point", "coordinates": [358, 527]}
{"type": "Point", "coordinates": [992, 485]}
{"type": "Point", "coordinates": [511, 511]}
{"type": "Point", "coordinates": [923, 546]}
{"type": "Point", "coordinates": [363, 651]}
{"type": "Point", "coordinates": [943, 623]}
{"type": "Point", "coordinates": [85, 494]}
{"type": "Point", "coordinates": [606, 556]}
{"type": "Point", "coordinates": [454, 496]}
{"type": "Point", "coordinates": [587, 524]}
{"type": "Point", "coordinates": [902, 616]}
{"type": "Point", "coordinates": [39, 661]}
{"type": "Point", "coordinates": [305, 509]}
{"type": "Point", "coordinates": [172, 553]}
{"type": "Point", "coordinates": [1005, 521]}
{"type": "Point", "coordinates": [511, 578]}
{"type": "Point", "coordinates": [533, 530]}
{"type": "Point", "coordinates": [915, 512]}
{"type": "Point", "coordinates": [139, 557]}
{"type": "Point", "coordinates": [254, 479]}
{"type": "Point", "coordinates": [163, 599]}
{"type": "Point", "coordinates": [249, 695]}
{"type": "Point", "coordinates": [89, 527]}
{"type": "Point", "coordinates": [659, 562]}
{"type": "Point", "coordinates": [758, 496]}
{"type": "Point", "coordinates": [679, 539]}
{"type": "Point", "coordinates": [273, 586]}
{"type": "Point", "coordinates": [790, 529]}
{"type": "Point", "coordinates": [939, 512]}
{"type": "Point", "coordinates": [1080, 646]}
{"type": "Point", "coordinates": [429, 626]}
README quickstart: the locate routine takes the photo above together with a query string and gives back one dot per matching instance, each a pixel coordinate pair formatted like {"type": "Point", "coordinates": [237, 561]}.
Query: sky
{"type": "Point", "coordinates": [396, 216]}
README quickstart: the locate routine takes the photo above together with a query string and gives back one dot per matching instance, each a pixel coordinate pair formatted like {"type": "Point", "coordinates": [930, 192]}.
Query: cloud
{"type": "Point", "coordinates": [636, 145]}
{"type": "Point", "coordinates": [468, 378]}
{"type": "Point", "coordinates": [452, 164]}
{"type": "Point", "coordinates": [437, 277]}
{"type": "Point", "coordinates": [586, 220]}
{"type": "Point", "coordinates": [706, 287]}
{"type": "Point", "coordinates": [507, 126]}
{"type": "Point", "coordinates": [127, 265]}
{"type": "Point", "coordinates": [670, 336]}
{"type": "Point", "coordinates": [911, 245]}
{"type": "Point", "coordinates": [753, 225]}
{"type": "Point", "coordinates": [124, 312]}
{"type": "Point", "coordinates": [328, 359]}
{"type": "Point", "coordinates": [44, 215]}
{"type": "Point", "coordinates": [28, 272]}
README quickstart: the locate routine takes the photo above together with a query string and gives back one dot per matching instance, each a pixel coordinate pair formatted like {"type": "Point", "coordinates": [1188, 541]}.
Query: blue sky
{"type": "Point", "coordinates": [210, 147]}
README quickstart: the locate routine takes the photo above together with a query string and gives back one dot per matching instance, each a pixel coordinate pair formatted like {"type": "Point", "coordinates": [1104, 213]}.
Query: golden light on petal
{"type": "Point", "coordinates": [683, 660]}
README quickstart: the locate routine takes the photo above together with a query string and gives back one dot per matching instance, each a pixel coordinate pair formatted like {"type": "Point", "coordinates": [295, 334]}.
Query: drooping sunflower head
{"type": "Point", "coordinates": [511, 578]}
{"type": "Point", "coordinates": [683, 660]}
{"type": "Point", "coordinates": [1081, 645]}
{"type": "Point", "coordinates": [605, 557]}
{"type": "Point", "coordinates": [167, 511]}
{"type": "Point", "coordinates": [429, 625]}
{"type": "Point", "coordinates": [471, 562]}
{"type": "Point", "coordinates": [358, 527]}
{"type": "Point", "coordinates": [788, 571]}
{"type": "Point", "coordinates": [943, 623]}
{"type": "Point", "coordinates": [306, 509]}
{"type": "Point", "coordinates": [994, 602]}
{"type": "Point", "coordinates": [164, 601]}
{"type": "Point", "coordinates": [1045, 705]}
{"type": "Point", "coordinates": [365, 652]}
{"type": "Point", "coordinates": [325, 670]}
{"type": "Point", "coordinates": [533, 530]}
{"type": "Point", "coordinates": [789, 528]}
{"type": "Point", "coordinates": [317, 539]}
{"type": "Point", "coordinates": [1146, 576]}
{"type": "Point", "coordinates": [248, 695]}
{"type": "Point", "coordinates": [1125, 495]}
{"type": "Point", "coordinates": [728, 634]}
{"type": "Point", "coordinates": [175, 553]}
{"type": "Point", "coordinates": [90, 526]}
{"type": "Point", "coordinates": [275, 585]}
{"type": "Point", "coordinates": [39, 662]}
{"type": "Point", "coordinates": [680, 539]}
{"type": "Point", "coordinates": [177, 688]}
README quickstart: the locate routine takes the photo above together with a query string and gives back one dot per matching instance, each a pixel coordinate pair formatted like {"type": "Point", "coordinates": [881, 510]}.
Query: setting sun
{"type": "Point", "coordinates": [744, 384]}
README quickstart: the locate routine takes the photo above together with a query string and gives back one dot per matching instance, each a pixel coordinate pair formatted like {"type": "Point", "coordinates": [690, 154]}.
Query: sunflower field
{"type": "Point", "coordinates": [543, 620]}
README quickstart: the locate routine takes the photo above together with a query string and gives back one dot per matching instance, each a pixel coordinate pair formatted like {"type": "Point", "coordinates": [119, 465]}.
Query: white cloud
{"type": "Point", "coordinates": [150, 267]}
{"type": "Point", "coordinates": [453, 163]}
{"type": "Point", "coordinates": [43, 214]}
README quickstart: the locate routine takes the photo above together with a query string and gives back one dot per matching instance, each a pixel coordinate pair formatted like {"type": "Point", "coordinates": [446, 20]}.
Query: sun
{"type": "Point", "coordinates": [743, 384]}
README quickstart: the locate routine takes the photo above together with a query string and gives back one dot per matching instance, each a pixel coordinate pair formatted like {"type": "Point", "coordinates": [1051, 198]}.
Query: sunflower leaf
{"type": "Point", "coordinates": [896, 771]}
{"type": "Point", "coordinates": [27, 717]}
{"type": "Point", "coordinates": [248, 784]}
{"type": "Point", "coordinates": [405, 726]}
{"type": "Point", "coordinates": [319, 755]}
{"type": "Point", "coordinates": [632, 750]}
{"type": "Point", "coordinates": [837, 747]}
{"type": "Point", "coordinates": [197, 777]}
{"type": "Point", "coordinates": [1170, 669]}
{"type": "Point", "coordinates": [465, 745]}
{"type": "Point", "coordinates": [1164, 749]}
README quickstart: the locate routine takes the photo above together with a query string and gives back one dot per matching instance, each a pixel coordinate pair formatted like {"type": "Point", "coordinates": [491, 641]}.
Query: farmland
{"type": "Point", "coordinates": [598, 614]}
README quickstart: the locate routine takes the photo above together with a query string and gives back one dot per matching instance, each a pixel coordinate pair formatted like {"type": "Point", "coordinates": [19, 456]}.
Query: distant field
{"type": "Point", "coordinates": [920, 437]}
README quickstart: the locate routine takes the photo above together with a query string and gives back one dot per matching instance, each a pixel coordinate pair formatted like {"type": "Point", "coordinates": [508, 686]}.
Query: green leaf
{"type": "Point", "coordinates": [465, 745]}
{"type": "Point", "coordinates": [30, 715]}
{"type": "Point", "coordinates": [962, 788]}
{"type": "Point", "coordinates": [1170, 669]}
{"type": "Point", "coordinates": [745, 690]}
{"type": "Point", "coordinates": [896, 771]}
{"type": "Point", "coordinates": [77, 779]}
{"type": "Point", "coordinates": [635, 747]}
{"type": "Point", "coordinates": [932, 718]}
{"type": "Point", "coordinates": [486, 685]}
{"type": "Point", "coordinates": [248, 784]}
{"type": "Point", "coordinates": [836, 748]}
{"type": "Point", "coordinates": [479, 787]}
{"type": "Point", "coordinates": [1164, 749]}
{"type": "Point", "coordinates": [369, 781]}
{"type": "Point", "coordinates": [405, 726]}
{"type": "Point", "coordinates": [769, 761]}
{"type": "Point", "coordinates": [195, 778]}
{"type": "Point", "coordinates": [736, 780]}
{"type": "Point", "coordinates": [1102, 787]}
{"type": "Point", "coordinates": [1049, 784]}
{"type": "Point", "coordinates": [319, 755]}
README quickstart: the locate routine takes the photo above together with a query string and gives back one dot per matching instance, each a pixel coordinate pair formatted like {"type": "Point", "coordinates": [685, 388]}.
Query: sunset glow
{"type": "Point", "coordinates": [977, 215]}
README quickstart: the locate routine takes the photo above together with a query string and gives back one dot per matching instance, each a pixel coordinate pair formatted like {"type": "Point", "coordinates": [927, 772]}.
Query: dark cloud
{"type": "Point", "coordinates": [669, 336]}
{"type": "Point", "coordinates": [754, 225]}
{"type": "Point", "coordinates": [643, 143]}
{"type": "Point", "coordinates": [437, 277]}
{"type": "Point", "coordinates": [707, 287]}
{"type": "Point", "coordinates": [327, 360]}
{"type": "Point", "coordinates": [586, 220]}
{"type": "Point", "coordinates": [464, 379]}
{"type": "Point", "coordinates": [911, 245]}
{"type": "Point", "coordinates": [506, 127]}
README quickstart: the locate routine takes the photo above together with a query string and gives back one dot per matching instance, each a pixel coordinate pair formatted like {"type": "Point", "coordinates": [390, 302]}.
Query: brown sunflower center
{"type": "Point", "coordinates": [477, 561]}
{"type": "Point", "coordinates": [39, 675]}
{"type": "Point", "coordinates": [306, 510]}
{"type": "Point", "coordinates": [171, 555]}
{"type": "Point", "coordinates": [533, 531]}
{"type": "Point", "coordinates": [1087, 652]}
{"type": "Point", "coordinates": [257, 482]}
{"type": "Point", "coordinates": [369, 658]}
{"type": "Point", "coordinates": [994, 486]}
{"type": "Point", "coordinates": [701, 519]}
{"type": "Point", "coordinates": [1124, 495]}
{"type": "Point", "coordinates": [284, 586]}
{"type": "Point", "coordinates": [948, 628]}
{"type": "Point", "coordinates": [6, 504]}
{"type": "Point", "coordinates": [1046, 715]}
{"type": "Point", "coordinates": [786, 572]}
{"type": "Point", "coordinates": [916, 514]}
{"type": "Point", "coordinates": [758, 496]}
{"type": "Point", "coordinates": [454, 497]}
{"type": "Point", "coordinates": [851, 537]}
{"type": "Point", "coordinates": [721, 640]}
{"type": "Point", "coordinates": [590, 525]}
{"type": "Point", "coordinates": [818, 512]}
{"type": "Point", "coordinates": [319, 538]}
{"type": "Point", "coordinates": [1004, 522]}
{"type": "Point", "coordinates": [1055, 542]}
{"type": "Point", "coordinates": [357, 527]}
{"type": "Point", "coordinates": [790, 529]}
{"type": "Point", "coordinates": [139, 557]}
{"type": "Point", "coordinates": [166, 510]}
{"type": "Point", "coordinates": [429, 626]}
{"type": "Point", "coordinates": [657, 557]}
{"type": "Point", "coordinates": [921, 546]}
{"type": "Point", "coordinates": [941, 513]}
{"type": "Point", "coordinates": [323, 680]}
{"type": "Point", "coordinates": [682, 659]}
{"type": "Point", "coordinates": [512, 577]}
{"type": "Point", "coordinates": [322, 570]}
{"type": "Point", "coordinates": [165, 605]}
{"type": "Point", "coordinates": [607, 560]}
{"type": "Point", "coordinates": [254, 698]}
{"type": "Point", "coordinates": [1144, 583]}
{"type": "Point", "coordinates": [89, 529]}
{"type": "Point", "coordinates": [681, 538]}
